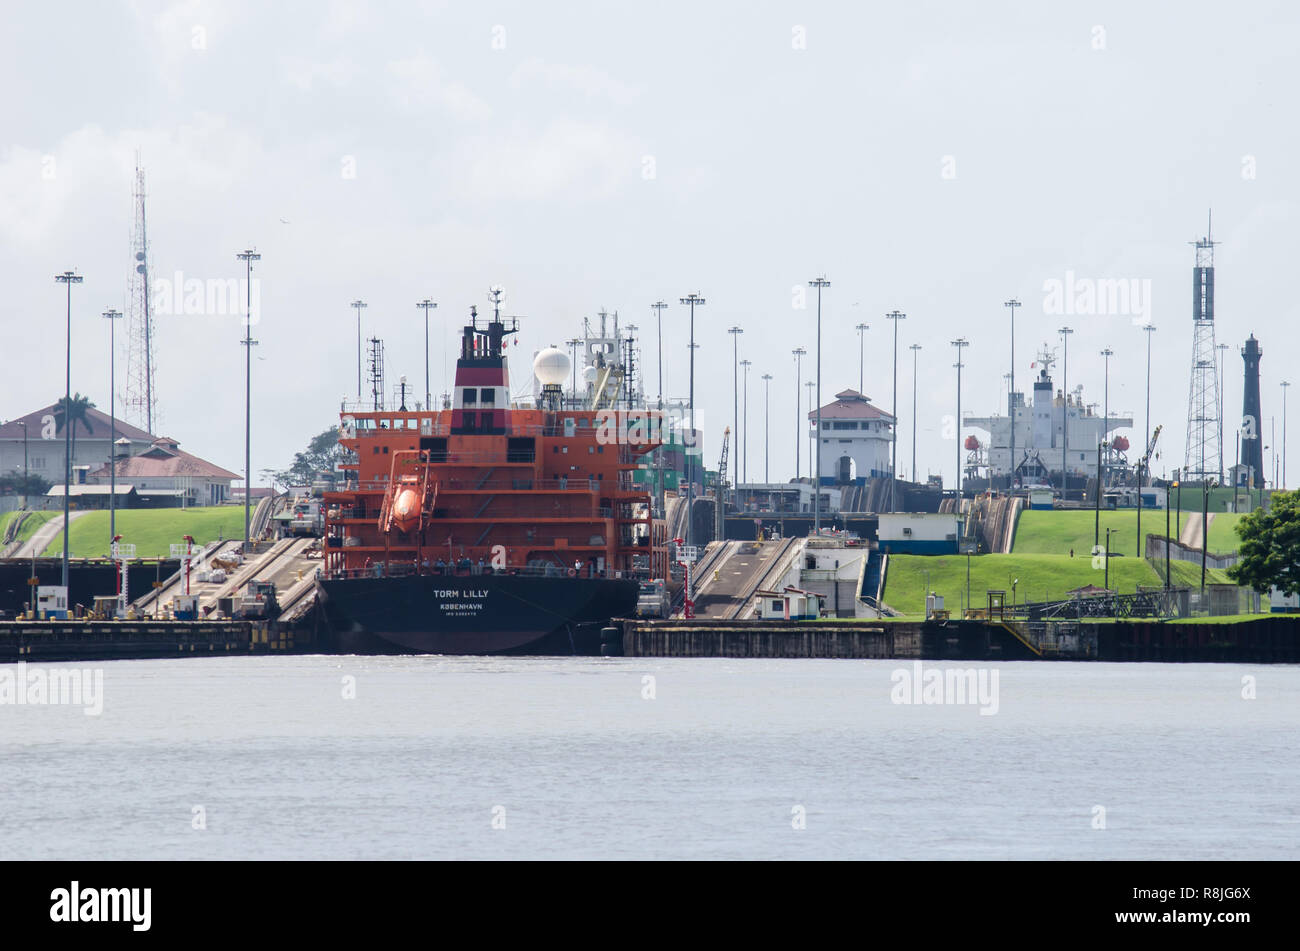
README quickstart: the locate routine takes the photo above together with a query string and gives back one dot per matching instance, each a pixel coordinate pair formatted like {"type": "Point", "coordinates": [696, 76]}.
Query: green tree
{"type": "Point", "coordinates": [1270, 546]}
{"type": "Point", "coordinates": [321, 456]}
{"type": "Point", "coordinates": [15, 485]}
{"type": "Point", "coordinates": [76, 412]}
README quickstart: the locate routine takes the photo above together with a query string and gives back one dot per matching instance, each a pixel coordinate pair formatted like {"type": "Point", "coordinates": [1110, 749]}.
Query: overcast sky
{"type": "Point", "coordinates": [935, 159]}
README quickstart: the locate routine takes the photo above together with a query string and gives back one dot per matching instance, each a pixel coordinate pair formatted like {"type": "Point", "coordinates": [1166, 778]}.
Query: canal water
{"type": "Point", "coordinates": [440, 757]}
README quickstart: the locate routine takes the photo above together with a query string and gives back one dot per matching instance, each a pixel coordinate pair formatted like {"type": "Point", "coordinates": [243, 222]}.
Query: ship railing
{"type": "Point", "coordinates": [561, 484]}
{"type": "Point", "coordinates": [407, 569]}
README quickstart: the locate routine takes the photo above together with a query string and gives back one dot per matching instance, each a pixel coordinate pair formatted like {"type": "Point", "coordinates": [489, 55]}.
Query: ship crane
{"type": "Point", "coordinates": [1144, 464]}
{"type": "Point", "coordinates": [720, 512]}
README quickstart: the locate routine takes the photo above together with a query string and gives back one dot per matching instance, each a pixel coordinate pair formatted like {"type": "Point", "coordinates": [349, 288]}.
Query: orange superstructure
{"type": "Point", "coordinates": [485, 486]}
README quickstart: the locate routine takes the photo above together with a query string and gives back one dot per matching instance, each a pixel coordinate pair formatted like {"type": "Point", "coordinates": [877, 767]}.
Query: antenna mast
{"type": "Point", "coordinates": [140, 398]}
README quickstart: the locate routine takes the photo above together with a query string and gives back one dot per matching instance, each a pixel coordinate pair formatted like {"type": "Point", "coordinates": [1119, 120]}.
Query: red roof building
{"type": "Point", "coordinates": [164, 468]}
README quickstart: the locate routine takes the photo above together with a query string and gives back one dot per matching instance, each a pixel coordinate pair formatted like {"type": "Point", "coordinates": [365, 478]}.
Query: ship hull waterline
{"type": "Point", "coordinates": [479, 614]}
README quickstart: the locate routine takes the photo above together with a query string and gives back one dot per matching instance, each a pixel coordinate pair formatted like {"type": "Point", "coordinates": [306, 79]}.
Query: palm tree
{"type": "Point", "coordinates": [76, 412]}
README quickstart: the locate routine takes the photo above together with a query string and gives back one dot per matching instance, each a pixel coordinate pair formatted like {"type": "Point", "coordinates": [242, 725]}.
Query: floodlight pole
{"type": "Point", "coordinates": [358, 305]}
{"type": "Point", "coordinates": [818, 283]}
{"type": "Point", "coordinates": [248, 257]}
{"type": "Point", "coordinates": [1012, 304]}
{"type": "Point", "coordinates": [68, 278]}
{"type": "Point", "coordinates": [692, 300]}
{"type": "Point", "coordinates": [426, 305]}
{"type": "Point", "coordinates": [799, 421]}
{"type": "Point", "coordinates": [112, 317]}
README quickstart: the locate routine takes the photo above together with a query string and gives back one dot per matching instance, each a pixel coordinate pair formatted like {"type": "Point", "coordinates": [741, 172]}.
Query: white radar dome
{"type": "Point", "coordinates": [551, 366]}
{"type": "Point", "coordinates": [590, 374]}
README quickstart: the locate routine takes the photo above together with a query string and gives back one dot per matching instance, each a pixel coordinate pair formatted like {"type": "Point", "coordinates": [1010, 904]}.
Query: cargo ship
{"type": "Point", "coordinates": [485, 527]}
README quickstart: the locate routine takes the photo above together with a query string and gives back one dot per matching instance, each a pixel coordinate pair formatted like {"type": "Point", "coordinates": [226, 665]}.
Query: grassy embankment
{"type": "Point", "coordinates": [1041, 577]}
{"type": "Point", "coordinates": [30, 527]}
{"type": "Point", "coordinates": [152, 531]}
{"type": "Point", "coordinates": [1056, 532]}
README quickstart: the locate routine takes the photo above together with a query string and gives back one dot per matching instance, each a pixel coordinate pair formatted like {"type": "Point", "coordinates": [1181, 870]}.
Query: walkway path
{"type": "Point", "coordinates": [42, 537]}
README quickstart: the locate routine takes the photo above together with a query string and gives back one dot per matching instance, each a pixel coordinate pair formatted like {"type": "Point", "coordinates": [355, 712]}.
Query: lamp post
{"type": "Point", "coordinates": [1141, 473]}
{"type": "Point", "coordinates": [767, 427]}
{"type": "Point", "coordinates": [735, 397]}
{"type": "Point", "coordinates": [1168, 540]}
{"type": "Point", "coordinates": [248, 257]}
{"type": "Point", "coordinates": [112, 316]}
{"type": "Point", "coordinates": [818, 283]}
{"type": "Point", "coordinates": [816, 488]}
{"type": "Point", "coordinates": [426, 305]}
{"type": "Point", "coordinates": [862, 354]}
{"type": "Point", "coordinates": [799, 421]}
{"type": "Point", "coordinates": [1065, 412]}
{"type": "Point", "coordinates": [26, 476]}
{"type": "Point", "coordinates": [895, 316]}
{"type": "Point", "coordinates": [744, 418]}
{"type": "Point", "coordinates": [1109, 531]}
{"type": "Point", "coordinates": [1222, 350]}
{"type": "Point", "coordinates": [915, 348]}
{"type": "Point", "coordinates": [658, 307]}
{"type": "Point", "coordinates": [1105, 417]}
{"type": "Point", "coordinates": [68, 278]}
{"type": "Point", "coordinates": [961, 343]}
{"type": "Point", "coordinates": [1012, 304]}
{"type": "Point", "coordinates": [692, 300]}
{"type": "Point", "coordinates": [1285, 385]}
{"type": "Point", "coordinates": [358, 305]}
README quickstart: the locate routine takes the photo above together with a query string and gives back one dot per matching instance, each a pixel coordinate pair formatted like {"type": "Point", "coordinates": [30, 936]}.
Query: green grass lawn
{"type": "Point", "coordinates": [1223, 534]}
{"type": "Point", "coordinates": [1187, 574]}
{"type": "Point", "coordinates": [152, 531]}
{"type": "Point", "coordinates": [1056, 532]}
{"type": "Point", "coordinates": [1041, 577]}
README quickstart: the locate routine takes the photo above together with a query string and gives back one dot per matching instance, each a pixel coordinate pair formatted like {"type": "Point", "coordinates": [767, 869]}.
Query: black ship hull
{"type": "Point", "coordinates": [479, 614]}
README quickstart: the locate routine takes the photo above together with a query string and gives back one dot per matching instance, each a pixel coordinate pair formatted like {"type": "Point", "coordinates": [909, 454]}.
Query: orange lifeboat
{"type": "Point", "coordinates": [406, 510]}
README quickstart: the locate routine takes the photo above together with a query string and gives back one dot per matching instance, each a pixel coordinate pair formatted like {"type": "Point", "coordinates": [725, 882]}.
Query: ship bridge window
{"type": "Point", "coordinates": [470, 396]}
{"type": "Point", "coordinates": [489, 397]}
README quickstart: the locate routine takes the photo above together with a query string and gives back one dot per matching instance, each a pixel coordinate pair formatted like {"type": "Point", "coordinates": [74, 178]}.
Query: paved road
{"type": "Point", "coordinates": [723, 590]}
{"type": "Point", "coordinates": [1191, 533]}
{"type": "Point", "coordinates": [44, 535]}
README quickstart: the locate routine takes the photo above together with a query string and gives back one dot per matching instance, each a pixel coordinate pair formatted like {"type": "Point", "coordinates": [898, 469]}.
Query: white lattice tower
{"type": "Point", "coordinates": [140, 397]}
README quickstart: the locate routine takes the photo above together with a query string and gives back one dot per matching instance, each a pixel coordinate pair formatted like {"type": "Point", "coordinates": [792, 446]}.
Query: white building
{"type": "Point", "coordinates": [855, 441]}
{"type": "Point", "coordinates": [919, 533]}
